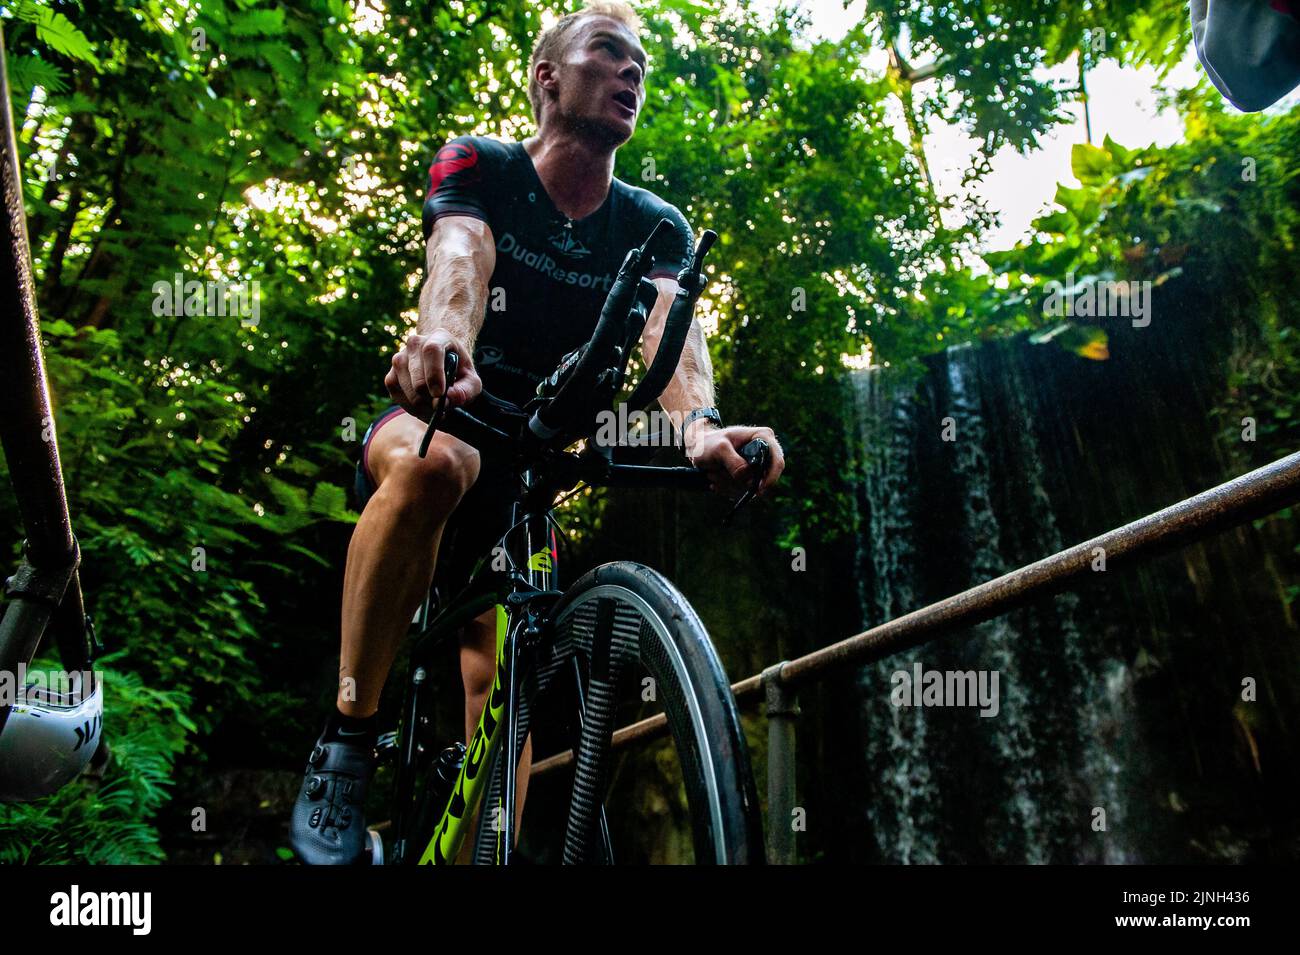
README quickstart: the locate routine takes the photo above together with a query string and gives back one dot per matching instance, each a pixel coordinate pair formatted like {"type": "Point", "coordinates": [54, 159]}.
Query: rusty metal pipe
{"type": "Point", "coordinates": [1242, 499]}
{"type": "Point", "coordinates": [27, 430]}
{"type": "Point", "coordinates": [782, 711]}
{"type": "Point", "coordinates": [26, 427]}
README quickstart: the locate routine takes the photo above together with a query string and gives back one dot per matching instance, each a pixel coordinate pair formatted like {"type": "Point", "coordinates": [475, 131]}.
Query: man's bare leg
{"type": "Point", "coordinates": [390, 565]}
{"type": "Point", "coordinates": [393, 551]}
{"type": "Point", "coordinates": [389, 569]}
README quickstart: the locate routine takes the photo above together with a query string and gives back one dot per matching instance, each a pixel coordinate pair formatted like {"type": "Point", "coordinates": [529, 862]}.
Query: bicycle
{"type": "Point", "coordinates": [565, 657]}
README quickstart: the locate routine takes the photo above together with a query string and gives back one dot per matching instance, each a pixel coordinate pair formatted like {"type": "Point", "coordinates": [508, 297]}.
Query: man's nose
{"type": "Point", "coordinates": [632, 72]}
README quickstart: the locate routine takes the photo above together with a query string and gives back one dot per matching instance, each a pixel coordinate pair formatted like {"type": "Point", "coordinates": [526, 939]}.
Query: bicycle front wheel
{"type": "Point", "coordinates": [624, 646]}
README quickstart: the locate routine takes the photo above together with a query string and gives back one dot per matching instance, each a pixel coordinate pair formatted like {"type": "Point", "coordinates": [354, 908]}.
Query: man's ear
{"type": "Point", "coordinates": [546, 74]}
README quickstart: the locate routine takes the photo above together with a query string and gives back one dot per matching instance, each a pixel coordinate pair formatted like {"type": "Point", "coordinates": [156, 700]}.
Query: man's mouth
{"type": "Point", "coordinates": [627, 100]}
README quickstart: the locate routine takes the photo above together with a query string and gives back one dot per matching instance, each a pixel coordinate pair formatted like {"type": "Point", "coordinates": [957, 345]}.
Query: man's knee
{"type": "Point", "coordinates": [443, 475]}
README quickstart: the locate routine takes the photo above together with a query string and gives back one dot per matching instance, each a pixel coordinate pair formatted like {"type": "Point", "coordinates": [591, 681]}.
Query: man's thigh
{"type": "Point", "coordinates": [476, 524]}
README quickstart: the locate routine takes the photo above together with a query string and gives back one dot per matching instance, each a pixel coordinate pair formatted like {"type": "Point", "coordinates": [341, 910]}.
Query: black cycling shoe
{"type": "Point", "coordinates": [328, 825]}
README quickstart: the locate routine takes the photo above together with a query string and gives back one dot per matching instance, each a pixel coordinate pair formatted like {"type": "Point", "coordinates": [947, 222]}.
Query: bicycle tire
{"type": "Point", "coordinates": [647, 626]}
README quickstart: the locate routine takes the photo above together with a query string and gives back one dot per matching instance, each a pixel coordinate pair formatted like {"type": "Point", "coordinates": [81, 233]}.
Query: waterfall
{"type": "Point", "coordinates": [1010, 737]}
{"type": "Point", "coordinates": [1093, 687]}
{"type": "Point", "coordinates": [954, 491]}
{"type": "Point", "coordinates": [901, 812]}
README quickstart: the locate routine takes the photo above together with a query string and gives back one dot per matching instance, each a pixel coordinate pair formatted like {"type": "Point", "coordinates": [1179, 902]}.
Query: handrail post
{"type": "Point", "coordinates": [781, 709]}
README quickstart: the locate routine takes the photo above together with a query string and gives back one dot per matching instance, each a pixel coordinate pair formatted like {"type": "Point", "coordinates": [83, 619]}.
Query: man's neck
{"type": "Point", "coordinates": [577, 175]}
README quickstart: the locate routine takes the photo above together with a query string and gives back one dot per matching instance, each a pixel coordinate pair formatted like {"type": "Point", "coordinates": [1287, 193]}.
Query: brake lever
{"type": "Point", "coordinates": [755, 454]}
{"type": "Point", "coordinates": [451, 362]}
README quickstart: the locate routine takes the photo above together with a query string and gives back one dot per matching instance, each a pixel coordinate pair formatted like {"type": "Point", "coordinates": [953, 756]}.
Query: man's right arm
{"type": "Point", "coordinates": [460, 257]}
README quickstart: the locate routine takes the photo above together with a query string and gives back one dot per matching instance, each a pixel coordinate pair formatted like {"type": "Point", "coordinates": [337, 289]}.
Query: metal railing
{"type": "Point", "coordinates": [45, 592]}
{"type": "Point", "coordinates": [1250, 496]}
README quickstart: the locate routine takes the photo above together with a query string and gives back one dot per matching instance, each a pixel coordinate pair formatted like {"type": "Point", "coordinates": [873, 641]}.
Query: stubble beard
{"type": "Point", "coordinates": [602, 135]}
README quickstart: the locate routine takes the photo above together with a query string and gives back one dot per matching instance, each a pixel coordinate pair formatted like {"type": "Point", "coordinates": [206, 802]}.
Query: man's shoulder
{"type": "Point", "coordinates": [644, 199]}
{"type": "Point", "coordinates": [474, 149]}
{"type": "Point", "coordinates": [647, 208]}
{"type": "Point", "coordinates": [465, 178]}
{"type": "Point", "coordinates": [642, 211]}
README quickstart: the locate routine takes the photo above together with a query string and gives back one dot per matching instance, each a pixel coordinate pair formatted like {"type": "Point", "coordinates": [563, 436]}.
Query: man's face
{"type": "Point", "coordinates": [602, 80]}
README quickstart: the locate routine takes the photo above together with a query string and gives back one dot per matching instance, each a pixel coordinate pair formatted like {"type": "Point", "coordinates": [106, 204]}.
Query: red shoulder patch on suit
{"type": "Point", "coordinates": [451, 158]}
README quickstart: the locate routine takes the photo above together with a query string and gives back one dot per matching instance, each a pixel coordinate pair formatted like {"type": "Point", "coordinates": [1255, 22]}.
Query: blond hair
{"type": "Point", "coordinates": [553, 42]}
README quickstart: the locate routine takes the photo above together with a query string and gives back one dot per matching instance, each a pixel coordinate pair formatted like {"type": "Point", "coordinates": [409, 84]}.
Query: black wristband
{"type": "Point", "coordinates": [710, 413]}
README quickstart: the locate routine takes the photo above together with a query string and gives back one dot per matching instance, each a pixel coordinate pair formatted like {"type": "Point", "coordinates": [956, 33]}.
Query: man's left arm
{"type": "Point", "coordinates": [712, 449]}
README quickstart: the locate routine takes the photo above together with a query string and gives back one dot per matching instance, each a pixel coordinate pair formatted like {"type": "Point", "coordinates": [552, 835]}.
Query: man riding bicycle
{"type": "Point", "coordinates": [523, 240]}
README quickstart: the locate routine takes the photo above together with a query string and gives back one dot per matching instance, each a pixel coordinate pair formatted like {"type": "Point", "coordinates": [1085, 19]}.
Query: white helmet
{"type": "Point", "coordinates": [49, 737]}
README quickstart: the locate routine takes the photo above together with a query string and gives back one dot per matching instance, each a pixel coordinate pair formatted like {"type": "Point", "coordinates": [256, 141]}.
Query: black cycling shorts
{"type": "Point", "coordinates": [475, 527]}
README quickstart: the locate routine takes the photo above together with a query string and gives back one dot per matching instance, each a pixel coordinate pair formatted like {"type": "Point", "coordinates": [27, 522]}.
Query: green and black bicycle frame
{"type": "Point", "coordinates": [520, 595]}
{"type": "Point", "coordinates": [524, 595]}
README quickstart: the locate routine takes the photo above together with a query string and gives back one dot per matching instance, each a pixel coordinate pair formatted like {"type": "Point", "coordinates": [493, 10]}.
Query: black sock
{"type": "Point", "coordinates": [339, 726]}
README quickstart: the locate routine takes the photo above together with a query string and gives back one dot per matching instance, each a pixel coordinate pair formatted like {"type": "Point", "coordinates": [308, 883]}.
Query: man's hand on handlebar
{"type": "Point", "coordinates": [718, 452]}
{"type": "Point", "coordinates": [417, 378]}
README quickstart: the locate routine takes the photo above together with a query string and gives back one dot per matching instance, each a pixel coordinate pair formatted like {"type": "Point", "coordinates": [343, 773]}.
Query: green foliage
{"type": "Point", "coordinates": [789, 157]}
{"type": "Point", "coordinates": [1217, 213]}
{"type": "Point", "coordinates": [56, 40]}
{"type": "Point", "coordinates": [991, 55]}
